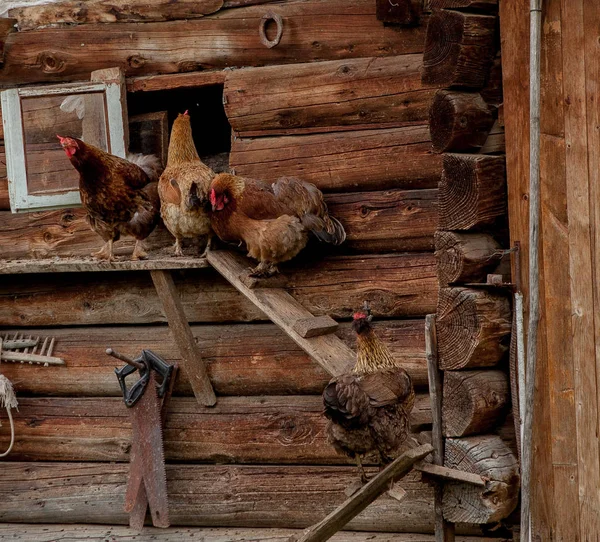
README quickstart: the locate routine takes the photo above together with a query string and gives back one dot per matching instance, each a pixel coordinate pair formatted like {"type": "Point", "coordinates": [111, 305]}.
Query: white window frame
{"type": "Point", "coordinates": [20, 199]}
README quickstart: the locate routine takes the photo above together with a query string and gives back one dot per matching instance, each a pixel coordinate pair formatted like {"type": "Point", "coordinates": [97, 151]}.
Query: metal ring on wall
{"type": "Point", "coordinates": [262, 31]}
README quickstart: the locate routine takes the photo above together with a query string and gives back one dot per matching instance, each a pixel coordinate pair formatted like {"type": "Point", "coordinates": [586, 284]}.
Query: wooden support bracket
{"type": "Point", "coordinates": [353, 506]}
{"type": "Point", "coordinates": [446, 473]}
{"type": "Point", "coordinates": [191, 359]}
{"type": "Point", "coordinates": [315, 326]}
{"type": "Point", "coordinates": [327, 350]}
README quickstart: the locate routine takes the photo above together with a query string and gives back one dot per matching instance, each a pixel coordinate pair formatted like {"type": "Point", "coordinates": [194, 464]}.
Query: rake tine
{"type": "Point", "coordinates": [44, 346]}
{"type": "Point", "coordinates": [51, 347]}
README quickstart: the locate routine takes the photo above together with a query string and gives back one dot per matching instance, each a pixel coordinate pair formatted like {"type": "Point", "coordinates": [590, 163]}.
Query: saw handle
{"type": "Point", "coordinates": [159, 365]}
{"type": "Point", "coordinates": [133, 394]}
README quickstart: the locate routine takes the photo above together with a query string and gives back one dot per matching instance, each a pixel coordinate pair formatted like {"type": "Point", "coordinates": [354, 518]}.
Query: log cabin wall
{"type": "Point", "coordinates": [260, 458]}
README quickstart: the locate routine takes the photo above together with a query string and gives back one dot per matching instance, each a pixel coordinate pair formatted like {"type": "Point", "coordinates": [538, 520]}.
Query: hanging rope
{"type": "Point", "coordinates": [8, 400]}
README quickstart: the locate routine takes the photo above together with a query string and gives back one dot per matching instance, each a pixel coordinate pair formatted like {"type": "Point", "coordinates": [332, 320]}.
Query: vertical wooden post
{"type": "Point", "coordinates": [191, 359]}
{"type": "Point", "coordinates": [444, 531]}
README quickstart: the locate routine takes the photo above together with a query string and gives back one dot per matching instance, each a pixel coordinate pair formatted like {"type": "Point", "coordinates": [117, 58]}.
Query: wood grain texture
{"type": "Point", "coordinates": [151, 83]}
{"type": "Point", "coordinates": [347, 161]}
{"type": "Point", "coordinates": [404, 12]}
{"type": "Point", "coordinates": [243, 359]}
{"type": "Point", "coordinates": [338, 93]}
{"type": "Point", "coordinates": [262, 429]}
{"type": "Point", "coordinates": [397, 285]}
{"type": "Point", "coordinates": [483, 5]}
{"type": "Point", "coordinates": [100, 533]}
{"type": "Point", "coordinates": [313, 30]}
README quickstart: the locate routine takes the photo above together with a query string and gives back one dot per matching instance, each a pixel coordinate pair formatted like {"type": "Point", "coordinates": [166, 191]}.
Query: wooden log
{"type": "Point", "coordinates": [151, 83]}
{"type": "Point", "coordinates": [459, 48]}
{"type": "Point", "coordinates": [355, 504]}
{"type": "Point", "coordinates": [459, 121]}
{"type": "Point", "coordinates": [399, 285]}
{"type": "Point", "coordinates": [472, 192]}
{"type": "Point", "coordinates": [243, 359]}
{"type": "Point", "coordinates": [314, 326]}
{"type": "Point", "coordinates": [225, 496]}
{"type": "Point", "coordinates": [339, 93]}
{"type": "Point", "coordinates": [404, 12]}
{"type": "Point", "coordinates": [345, 161]}
{"type": "Point", "coordinates": [192, 364]}
{"type": "Point", "coordinates": [100, 533]}
{"type": "Point", "coordinates": [313, 30]}
{"type": "Point", "coordinates": [472, 327]}
{"type": "Point", "coordinates": [264, 430]}
{"type": "Point", "coordinates": [489, 457]}
{"type": "Point", "coordinates": [487, 6]}
{"type": "Point", "coordinates": [474, 401]}
{"type": "Point", "coordinates": [72, 12]}
{"type": "Point", "coordinates": [465, 257]}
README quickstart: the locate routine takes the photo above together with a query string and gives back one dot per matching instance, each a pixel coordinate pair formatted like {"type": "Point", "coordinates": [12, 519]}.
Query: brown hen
{"type": "Point", "coordinates": [273, 220]}
{"type": "Point", "coordinates": [183, 187]}
{"type": "Point", "coordinates": [120, 197]}
{"type": "Point", "coordinates": [369, 408]}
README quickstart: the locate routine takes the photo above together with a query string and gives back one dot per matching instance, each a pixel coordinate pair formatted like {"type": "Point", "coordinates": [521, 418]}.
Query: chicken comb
{"type": "Point", "coordinates": [186, 113]}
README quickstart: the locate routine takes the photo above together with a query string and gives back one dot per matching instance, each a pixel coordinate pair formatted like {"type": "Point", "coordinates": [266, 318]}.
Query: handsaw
{"type": "Point", "coordinates": [147, 483]}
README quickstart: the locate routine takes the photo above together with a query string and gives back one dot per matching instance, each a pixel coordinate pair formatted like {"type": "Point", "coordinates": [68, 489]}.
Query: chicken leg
{"type": "Point", "coordinates": [138, 251]}
{"type": "Point", "coordinates": [178, 251]}
{"type": "Point", "coordinates": [105, 253]}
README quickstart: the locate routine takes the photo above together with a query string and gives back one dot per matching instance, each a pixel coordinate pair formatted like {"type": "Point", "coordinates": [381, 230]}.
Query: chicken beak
{"type": "Point", "coordinates": [61, 139]}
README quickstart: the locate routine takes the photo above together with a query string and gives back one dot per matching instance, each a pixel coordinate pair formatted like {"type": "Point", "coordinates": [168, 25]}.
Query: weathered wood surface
{"type": "Point", "coordinates": [465, 257]}
{"type": "Point", "coordinates": [459, 121]}
{"type": "Point", "coordinates": [339, 93]}
{"type": "Point", "coordinates": [313, 30]}
{"type": "Point", "coordinates": [446, 473]}
{"type": "Point", "coordinates": [224, 496]}
{"type": "Point", "coordinates": [262, 429]}
{"type": "Point", "coordinates": [110, 11]}
{"type": "Point", "coordinates": [472, 327]}
{"type": "Point", "coordinates": [459, 49]}
{"type": "Point", "coordinates": [398, 285]}
{"type": "Point", "coordinates": [149, 83]}
{"type": "Point", "coordinates": [358, 160]}
{"type": "Point", "coordinates": [243, 359]}
{"type": "Point", "coordinates": [404, 12]}
{"type": "Point", "coordinates": [4, 200]}
{"type": "Point", "coordinates": [474, 401]}
{"type": "Point", "coordinates": [314, 326]}
{"type": "Point", "coordinates": [355, 504]}
{"type": "Point", "coordinates": [478, 5]}
{"type": "Point", "coordinates": [496, 141]}
{"type": "Point", "coordinates": [149, 134]}
{"type": "Point", "coordinates": [102, 533]}
{"type": "Point", "coordinates": [472, 192]}
{"type": "Point", "coordinates": [489, 457]}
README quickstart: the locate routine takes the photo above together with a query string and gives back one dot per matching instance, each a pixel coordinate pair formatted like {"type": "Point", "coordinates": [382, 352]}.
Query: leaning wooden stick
{"type": "Point", "coordinates": [331, 524]}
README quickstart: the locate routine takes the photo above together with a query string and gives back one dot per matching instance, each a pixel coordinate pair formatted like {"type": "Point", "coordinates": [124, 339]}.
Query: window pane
{"type": "Point", "coordinates": [77, 115]}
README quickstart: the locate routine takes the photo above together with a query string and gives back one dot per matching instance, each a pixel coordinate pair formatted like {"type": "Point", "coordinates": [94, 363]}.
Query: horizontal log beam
{"type": "Point", "coordinates": [404, 12]}
{"type": "Point", "coordinates": [151, 83]}
{"type": "Point", "coordinates": [347, 161]}
{"type": "Point", "coordinates": [341, 93]}
{"type": "Point", "coordinates": [459, 49]}
{"type": "Point", "coordinates": [313, 30]}
{"type": "Point", "coordinates": [243, 359]}
{"type": "Point", "coordinates": [472, 328]}
{"type": "Point", "coordinates": [264, 430]}
{"type": "Point", "coordinates": [400, 285]}
{"type": "Point", "coordinates": [488, 6]}
{"type": "Point", "coordinates": [224, 496]}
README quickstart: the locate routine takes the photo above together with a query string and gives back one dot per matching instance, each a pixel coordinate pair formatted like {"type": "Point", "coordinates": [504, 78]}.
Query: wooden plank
{"type": "Point", "coordinates": [402, 285]}
{"type": "Point", "coordinates": [355, 504]}
{"type": "Point", "coordinates": [100, 533]}
{"type": "Point", "coordinates": [344, 161]}
{"type": "Point", "coordinates": [446, 473]}
{"type": "Point", "coordinates": [243, 359]}
{"type": "Point", "coordinates": [483, 5]}
{"type": "Point", "coordinates": [328, 351]}
{"type": "Point", "coordinates": [313, 30]}
{"type": "Point", "coordinates": [150, 83]}
{"type": "Point", "coordinates": [192, 364]}
{"type": "Point", "coordinates": [110, 11]}
{"type": "Point", "coordinates": [225, 496]}
{"type": "Point", "coordinates": [263, 430]}
{"type": "Point", "coordinates": [314, 326]}
{"type": "Point", "coordinates": [337, 93]}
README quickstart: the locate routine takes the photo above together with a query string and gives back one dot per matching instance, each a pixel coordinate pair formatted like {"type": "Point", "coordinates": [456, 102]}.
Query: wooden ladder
{"type": "Point", "coordinates": [314, 334]}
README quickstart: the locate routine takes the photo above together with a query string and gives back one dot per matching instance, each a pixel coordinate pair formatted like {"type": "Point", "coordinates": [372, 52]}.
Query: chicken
{"type": "Point", "coordinates": [368, 409]}
{"type": "Point", "coordinates": [183, 187]}
{"type": "Point", "coordinates": [273, 220]}
{"type": "Point", "coordinates": [120, 196]}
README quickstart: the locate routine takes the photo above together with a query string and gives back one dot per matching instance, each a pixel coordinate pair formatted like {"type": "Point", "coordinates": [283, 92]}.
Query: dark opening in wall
{"type": "Point", "coordinates": [210, 127]}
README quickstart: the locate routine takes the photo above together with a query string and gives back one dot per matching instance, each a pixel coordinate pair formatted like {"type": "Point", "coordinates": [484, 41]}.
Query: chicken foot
{"type": "Point", "coordinates": [105, 253]}
{"type": "Point", "coordinates": [264, 270]}
{"type": "Point", "coordinates": [208, 246]}
{"type": "Point", "coordinates": [138, 251]}
{"type": "Point", "coordinates": [177, 246]}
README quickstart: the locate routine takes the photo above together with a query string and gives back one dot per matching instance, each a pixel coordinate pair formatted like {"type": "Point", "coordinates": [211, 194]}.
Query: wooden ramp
{"type": "Point", "coordinates": [314, 334]}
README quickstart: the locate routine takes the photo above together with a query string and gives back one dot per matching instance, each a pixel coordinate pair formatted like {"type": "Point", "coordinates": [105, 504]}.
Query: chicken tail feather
{"type": "Point", "coordinates": [149, 163]}
{"type": "Point", "coordinates": [326, 229]}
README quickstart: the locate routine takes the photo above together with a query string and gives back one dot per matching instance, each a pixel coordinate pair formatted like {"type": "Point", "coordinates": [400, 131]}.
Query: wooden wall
{"type": "Point", "coordinates": [566, 477]}
{"type": "Point", "coordinates": [260, 458]}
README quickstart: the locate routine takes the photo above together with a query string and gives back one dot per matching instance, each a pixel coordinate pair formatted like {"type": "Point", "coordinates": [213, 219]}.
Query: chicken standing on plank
{"type": "Point", "coordinates": [183, 187]}
{"type": "Point", "coordinates": [369, 408]}
{"type": "Point", "coordinates": [273, 220]}
{"type": "Point", "coordinates": [120, 196]}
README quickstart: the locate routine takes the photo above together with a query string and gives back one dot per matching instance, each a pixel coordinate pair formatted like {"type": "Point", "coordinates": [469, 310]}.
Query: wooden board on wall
{"type": "Point", "coordinates": [264, 430]}
{"type": "Point", "coordinates": [400, 285]}
{"type": "Point", "coordinates": [312, 30]}
{"type": "Point", "coordinates": [350, 92]}
{"type": "Point", "coordinates": [344, 161]}
{"type": "Point", "coordinates": [243, 359]}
